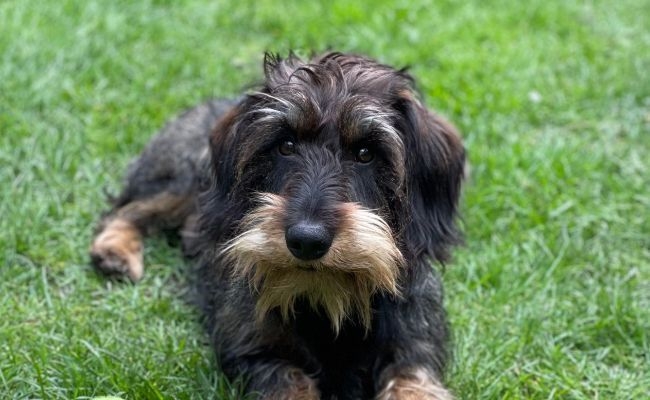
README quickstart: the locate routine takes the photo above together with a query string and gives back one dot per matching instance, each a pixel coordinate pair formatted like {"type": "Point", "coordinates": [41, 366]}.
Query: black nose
{"type": "Point", "coordinates": [308, 241]}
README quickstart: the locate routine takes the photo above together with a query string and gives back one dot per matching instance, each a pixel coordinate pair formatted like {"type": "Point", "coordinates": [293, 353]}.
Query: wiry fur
{"type": "Point", "coordinates": [364, 320]}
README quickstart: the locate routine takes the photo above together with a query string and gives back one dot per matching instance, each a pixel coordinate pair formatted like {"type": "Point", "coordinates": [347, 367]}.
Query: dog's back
{"type": "Point", "coordinates": [176, 157]}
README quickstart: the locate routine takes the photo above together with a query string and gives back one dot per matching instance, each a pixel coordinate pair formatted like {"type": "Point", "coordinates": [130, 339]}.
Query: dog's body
{"type": "Point", "coordinates": [324, 197]}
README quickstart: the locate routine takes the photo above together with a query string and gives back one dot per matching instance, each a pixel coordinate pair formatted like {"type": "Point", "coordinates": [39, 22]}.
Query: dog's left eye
{"type": "Point", "coordinates": [364, 155]}
{"type": "Point", "coordinates": [287, 147]}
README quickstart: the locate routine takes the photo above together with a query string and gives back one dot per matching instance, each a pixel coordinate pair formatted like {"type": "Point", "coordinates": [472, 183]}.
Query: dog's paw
{"type": "Point", "coordinates": [117, 250]}
{"type": "Point", "coordinates": [414, 385]}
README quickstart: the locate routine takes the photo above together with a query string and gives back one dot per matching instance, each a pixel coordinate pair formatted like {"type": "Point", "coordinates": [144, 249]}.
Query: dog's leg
{"type": "Point", "coordinates": [117, 248]}
{"type": "Point", "coordinates": [416, 383]}
{"type": "Point", "coordinates": [417, 355]}
{"type": "Point", "coordinates": [273, 379]}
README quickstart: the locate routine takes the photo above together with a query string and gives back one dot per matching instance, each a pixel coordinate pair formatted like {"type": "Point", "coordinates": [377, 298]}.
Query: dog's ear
{"type": "Point", "coordinates": [222, 151]}
{"type": "Point", "coordinates": [218, 211]}
{"type": "Point", "coordinates": [435, 163]}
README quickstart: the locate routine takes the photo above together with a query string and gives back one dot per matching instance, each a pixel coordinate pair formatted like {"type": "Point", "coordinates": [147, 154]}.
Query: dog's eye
{"type": "Point", "coordinates": [364, 155]}
{"type": "Point", "coordinates": [287, 147]}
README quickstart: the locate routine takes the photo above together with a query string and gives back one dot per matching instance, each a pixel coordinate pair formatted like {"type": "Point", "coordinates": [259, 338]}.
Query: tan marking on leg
{"type": "Point", "coordinates": [164, 210]}
{"type": "Point", "coordinates": [415, 384]}
{"type": "Point", "coordinates": [117, 249]}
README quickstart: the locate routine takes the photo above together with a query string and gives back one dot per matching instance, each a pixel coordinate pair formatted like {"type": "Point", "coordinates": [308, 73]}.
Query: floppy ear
{"type": "Point", "coordinates": [218, 211]}
{"type": "Point", "coordinates": [435, 163]}
{"type": "Point", "coordinates": [222, 151]}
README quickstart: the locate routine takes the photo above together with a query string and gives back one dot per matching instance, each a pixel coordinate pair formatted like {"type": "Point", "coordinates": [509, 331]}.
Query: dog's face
{"type": "Point", "coordinates": [336, 179]}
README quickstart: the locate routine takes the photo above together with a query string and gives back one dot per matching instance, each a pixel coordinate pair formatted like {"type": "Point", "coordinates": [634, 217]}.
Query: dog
{"type": "Point", "coordinates": [314, 208]}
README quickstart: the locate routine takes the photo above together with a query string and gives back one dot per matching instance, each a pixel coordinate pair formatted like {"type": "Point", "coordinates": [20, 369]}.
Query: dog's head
{"type": "Point", "coordinates": [330, 181]}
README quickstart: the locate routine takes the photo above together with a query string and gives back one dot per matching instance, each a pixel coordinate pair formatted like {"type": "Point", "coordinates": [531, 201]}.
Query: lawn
{"type": "Point", "coordinates": [550, 296]}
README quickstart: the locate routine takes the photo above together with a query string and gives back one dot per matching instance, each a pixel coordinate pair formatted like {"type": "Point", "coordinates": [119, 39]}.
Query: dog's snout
{"type": "Point", "coordinates": [308, 241]}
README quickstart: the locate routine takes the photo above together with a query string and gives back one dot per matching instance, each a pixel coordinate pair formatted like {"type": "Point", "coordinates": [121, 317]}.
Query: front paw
{"type": "Point", "coordinates": [117, 250]}
{"type": "Point", "coordinates": [413, 384]}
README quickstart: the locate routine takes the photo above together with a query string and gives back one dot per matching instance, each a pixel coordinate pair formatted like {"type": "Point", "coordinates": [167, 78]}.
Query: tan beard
{"type": "Point", "coordinates": [362, 260]}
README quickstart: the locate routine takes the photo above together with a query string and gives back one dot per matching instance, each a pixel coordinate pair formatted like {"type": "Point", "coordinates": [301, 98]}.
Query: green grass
{"type": "Point", "coordinates": [549, 299]}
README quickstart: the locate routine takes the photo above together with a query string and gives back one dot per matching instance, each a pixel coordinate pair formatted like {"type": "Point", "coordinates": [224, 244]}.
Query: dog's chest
{"type": "Point", "coordinates": [342, 363]}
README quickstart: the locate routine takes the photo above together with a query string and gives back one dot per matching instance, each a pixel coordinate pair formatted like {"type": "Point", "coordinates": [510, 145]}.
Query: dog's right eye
{"type": "Point", "coordinates": [287, 148]}
{"type": "Point", "coordinates": [364, 155]}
